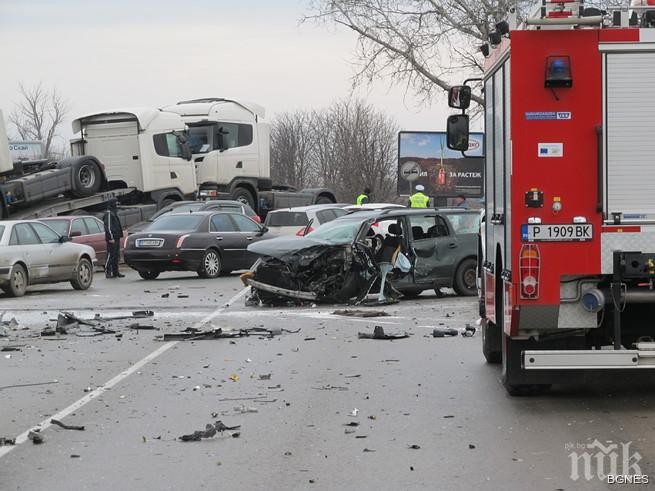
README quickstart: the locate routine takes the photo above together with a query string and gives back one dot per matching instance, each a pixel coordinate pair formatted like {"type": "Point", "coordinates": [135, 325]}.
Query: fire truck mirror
{"type": "Point", "coordinates": [457, 132]}
{"type": "Point", "coordinates": [459, 97]}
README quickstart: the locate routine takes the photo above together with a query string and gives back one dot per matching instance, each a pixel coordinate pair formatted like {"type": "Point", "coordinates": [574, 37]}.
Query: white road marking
{"type": "Point", "coordinates": [22, 438]}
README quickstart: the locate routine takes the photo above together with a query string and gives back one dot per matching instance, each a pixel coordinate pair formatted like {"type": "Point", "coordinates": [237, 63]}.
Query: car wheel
{"type": "Point", "coordinates": [83, 276]}
{"type": "Point", "coordinates": [17, 281]}
{"type": "Point", "coordinates": [149, 275]}
{"type": "Point", "coordinates": [210, 267]}
{"type": "Point", "coordinates": [465, 278]}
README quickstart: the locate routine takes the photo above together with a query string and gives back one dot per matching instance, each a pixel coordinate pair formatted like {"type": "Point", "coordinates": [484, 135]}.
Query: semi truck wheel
{"type": "Point", "coordinates": [87, 178]}
{"type": "Point", "coordinates": [324, 200]}
{"type": "Point", "coordinates": [491, 340]}
{"type": "Point", "coordinates": [245, 196]}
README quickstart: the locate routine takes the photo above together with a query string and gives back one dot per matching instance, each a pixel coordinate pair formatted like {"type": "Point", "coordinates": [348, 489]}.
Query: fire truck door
{"type": "Point", "coordinates": [433, 248]}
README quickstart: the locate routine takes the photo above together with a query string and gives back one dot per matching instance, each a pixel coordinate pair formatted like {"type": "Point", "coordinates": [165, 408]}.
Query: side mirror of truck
{"type": "Point", "coordinates": [459, 97]}
{"type": "Point", "coordinates": [457, 132]}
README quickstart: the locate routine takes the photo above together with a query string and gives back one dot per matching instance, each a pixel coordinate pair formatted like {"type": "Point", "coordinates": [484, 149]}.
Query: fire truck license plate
{"type": "Point", "coordinates": [573, 232]}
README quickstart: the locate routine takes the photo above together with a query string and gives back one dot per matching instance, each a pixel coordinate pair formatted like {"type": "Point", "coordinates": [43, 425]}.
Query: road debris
{"type": "Point", "coordinates": [36, 437]}
{"type": "Point", "coordinates": [142, 327]}
{"type": "Point", "coordinates": [469, 331]}
{"type": "Point", "coordinates": [369, 450]}
{"type": "Point", "coordinates": [361, 313]}
{"type": "Point", "coordinates": [414, 447]}
{"type": "Point", "coordinates": [209, 432]}
{"type": "Point", "coordinates": [378, 333]}
{"type": "Point", "coordinates": [265, 376]}
{"type": "Point", "coordinates": [5, 440]}
{"type": "Point", "coordinates": [443, 332]}
{"type": "Point", "coordinates": [245, 409]}
{"type": "Point", "coordinates": [194, 334]}
{"type": "Point", "coordinates": [354, 413]}
{"type": "Point", "coordinates": [352, 423]}
{"type": "Point", "coordinates": [10, 348]}
{"type": "Point", "coordinates": [138, 314]}
{"type": "Point", "coordinates": [65, 426]}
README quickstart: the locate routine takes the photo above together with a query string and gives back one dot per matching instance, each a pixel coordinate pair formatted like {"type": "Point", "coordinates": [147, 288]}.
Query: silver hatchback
{"type": "Point", "coordinates": [32, 253]}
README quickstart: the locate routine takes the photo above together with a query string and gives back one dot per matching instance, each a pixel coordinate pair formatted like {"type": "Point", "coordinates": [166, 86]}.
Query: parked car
{"type": "Point", "coordinates": [87, 230]}
{"type": "Point", "coordinates": [341, 260]}
{"type": "Point", "coordinates": [372, 206]}
{"type": "Point", "coordinates": [189, 206]}
{"type": "Point", "coordinates": [32, 253]}
{"type": "Point", "coordinates": [208, 242]}
{"type": "Point", "coordinates": [294, 221]}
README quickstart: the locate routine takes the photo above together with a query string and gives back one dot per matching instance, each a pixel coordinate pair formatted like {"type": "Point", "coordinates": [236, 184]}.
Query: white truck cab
{"type": "Point", "coordinates": [142, 148]}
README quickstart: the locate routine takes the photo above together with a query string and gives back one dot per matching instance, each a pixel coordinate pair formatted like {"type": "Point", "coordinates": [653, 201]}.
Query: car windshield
{"type": "Point", "coordinates": [287, 219]}
{"type": "Point", "coordinates": [337, 231]}
{"type": "Point", "coordinates": [176, 223]}
{"type": "Point", "coordinates": [178, 209]}
{"type": "Point", "coordinates": [59, 226]}
{"type": "Point", "coordinates": [199, 139]}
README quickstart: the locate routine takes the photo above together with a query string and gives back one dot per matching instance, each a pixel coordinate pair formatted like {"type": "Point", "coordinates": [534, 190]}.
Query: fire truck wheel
{"type": "Point", "coordinates": [512, 370]}
{"type": "Point", "coordinates": [491, 342]}
{"type": "Point", "coordinates": [464, 282]}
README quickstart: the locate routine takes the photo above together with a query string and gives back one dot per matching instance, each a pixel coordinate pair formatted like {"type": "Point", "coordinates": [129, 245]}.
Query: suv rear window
{"type": "Point", "coordinates": [287, 219]}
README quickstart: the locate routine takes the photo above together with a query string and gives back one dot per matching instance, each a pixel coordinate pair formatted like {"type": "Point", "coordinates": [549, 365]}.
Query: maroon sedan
{"type": "Point", "coordinates": [83, 230]}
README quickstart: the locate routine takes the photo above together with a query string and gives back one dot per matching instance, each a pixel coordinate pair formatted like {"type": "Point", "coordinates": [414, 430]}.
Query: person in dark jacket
{"type": "Point", "coordinates": [113, 235]}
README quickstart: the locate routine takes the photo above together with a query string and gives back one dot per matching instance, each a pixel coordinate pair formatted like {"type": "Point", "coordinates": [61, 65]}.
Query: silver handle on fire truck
{"type": "Point", "coordinates": [599, 166]}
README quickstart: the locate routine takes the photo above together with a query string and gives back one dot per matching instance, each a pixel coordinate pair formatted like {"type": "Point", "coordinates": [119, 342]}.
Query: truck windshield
{"type": "Point", "coordinates": [337, 231]}
{"type": "Point", "coordinates": [199, 139]}
{"type": "Point", "coordinates": [176, 223]}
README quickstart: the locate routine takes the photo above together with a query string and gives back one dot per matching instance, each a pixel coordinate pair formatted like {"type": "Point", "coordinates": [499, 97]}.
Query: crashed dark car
{"type": "Point", "coordinates": [346, 259]}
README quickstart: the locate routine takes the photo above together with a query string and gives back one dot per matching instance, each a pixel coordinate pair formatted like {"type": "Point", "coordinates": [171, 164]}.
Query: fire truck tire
{"type": "Point", "coordinates": [511, 374]}
{"type": "Point", "coordinates": [491, 342]}
{"type": "Point", "coordinates": [87, 178]}
{"type": "Point", "coordinates": [465, 283]}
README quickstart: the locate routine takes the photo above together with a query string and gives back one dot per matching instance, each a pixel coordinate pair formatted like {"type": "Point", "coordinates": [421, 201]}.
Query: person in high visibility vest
{"type": "Point", "coordinates": [418, 199]}
{"type": "Point", "coordinates": [364, 197]}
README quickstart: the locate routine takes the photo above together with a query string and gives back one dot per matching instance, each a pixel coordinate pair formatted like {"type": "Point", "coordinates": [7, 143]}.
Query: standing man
{"type": "Point", "coordinates": [364, 197]}
{"type": "Point", "coordinates": [460, 202]}
{"type": "Point", "coordinates": [418, 199]}
{"type": "Point", "coordinates": [113, 235]}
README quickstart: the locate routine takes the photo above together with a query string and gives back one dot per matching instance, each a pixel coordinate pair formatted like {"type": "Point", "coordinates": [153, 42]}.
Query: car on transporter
{"type": "Point", "coordinates": [211, 243]}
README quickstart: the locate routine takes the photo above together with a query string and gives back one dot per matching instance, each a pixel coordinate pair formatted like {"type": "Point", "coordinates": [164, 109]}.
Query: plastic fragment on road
{"type": "Point", "coordinates": [36, 437]}
{"type": "Point", "coordinates": [443, 332]}
{"type": "Point", "coordinates": [5, 440]}
{"type": "Point", "coordinates": [234, 377]}
{"type": "Point", "coordinates": [210, 431]}
{"type": "Point", "coordinates": [65, 426]}
{"type": "Point", "coordinates": [378, 333]}
{"type": "Point", "coordinates": [361, 313]}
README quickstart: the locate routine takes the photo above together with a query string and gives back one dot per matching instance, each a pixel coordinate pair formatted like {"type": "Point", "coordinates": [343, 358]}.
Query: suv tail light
{"type": "Point", "coordinates": [301, 232]}
{"type": "Point", "coordinates": [181, 240]}
{"type": "Point", "coordinates": [529, 268]}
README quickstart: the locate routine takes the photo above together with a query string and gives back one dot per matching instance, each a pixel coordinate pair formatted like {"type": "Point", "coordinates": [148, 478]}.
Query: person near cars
{"type": "Point", "coordinates": [365, 197]}
{"type": "Point", "coordinates": [418, 199]}
{"type": "Point", "coordinates": [460, 202]}
{"type": "Point", "coordinates": [113, 234]}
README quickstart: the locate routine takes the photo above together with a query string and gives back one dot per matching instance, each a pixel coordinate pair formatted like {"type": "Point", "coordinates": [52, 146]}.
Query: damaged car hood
{"type": "Point", "coordinates": [282, 246]}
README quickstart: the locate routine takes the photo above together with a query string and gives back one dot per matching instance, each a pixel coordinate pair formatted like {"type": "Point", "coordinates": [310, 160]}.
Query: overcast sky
{"type": "Point", "coordinates": [120, 53]}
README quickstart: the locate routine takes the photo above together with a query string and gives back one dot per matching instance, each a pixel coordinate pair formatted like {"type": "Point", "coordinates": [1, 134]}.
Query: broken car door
{"type": "Point", "coordinates": [433, 247]}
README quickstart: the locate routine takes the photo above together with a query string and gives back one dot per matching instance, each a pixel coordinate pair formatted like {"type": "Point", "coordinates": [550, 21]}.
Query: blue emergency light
{"type": "Point", "coordinates": [558, 72]}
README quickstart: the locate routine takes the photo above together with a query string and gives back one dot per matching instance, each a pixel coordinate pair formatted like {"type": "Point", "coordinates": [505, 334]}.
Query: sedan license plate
{"type": "Point", "coordinates": [149, 242]}
{"type": "Point", "coordinates": [572, 232]}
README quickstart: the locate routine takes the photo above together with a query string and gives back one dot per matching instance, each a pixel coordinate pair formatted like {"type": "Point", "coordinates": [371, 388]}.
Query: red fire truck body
{"type": "Point", "coordinates": [569, 239]}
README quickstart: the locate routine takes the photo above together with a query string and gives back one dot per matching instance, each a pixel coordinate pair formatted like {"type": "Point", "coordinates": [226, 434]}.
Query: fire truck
{"type": "Point", "coordinates": [568, 264]}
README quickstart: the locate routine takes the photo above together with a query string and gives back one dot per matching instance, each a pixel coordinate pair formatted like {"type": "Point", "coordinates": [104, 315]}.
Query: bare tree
{"type": "Point", "coordinates": [39, 114]}
{"type": "Point", "coordinates": [347, 146]}
{"type": "Point", "coordinates": [421, 44]}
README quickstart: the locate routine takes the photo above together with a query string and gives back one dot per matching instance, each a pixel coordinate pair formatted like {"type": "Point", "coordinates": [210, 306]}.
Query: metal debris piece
{"type": "Point", "coordinates": [36, 437]}
{"type": "Point", "coordinates": [5, 440]}
{"type": "Point", "coordinates": [10, 348]}
{"type": "Point", "coordinates": [352, 423]}
{"type": "Point", "coordinates": [414, 447]}
{"type": "Point", "coordinates": [138, 314]}
{"type": "Point", "coordinates": [209, 432]}
{"type": "Point", "coordinates": [378, 333]}
{"type": "Point", "coordinates": [65, 426]}
{"type": "Point", "coordinates": [361, 313]}
{"type": "Point", "coordinates": [469, 331]}
{"type": "Point", "coordinates": [265, 376]}
{"type": "Point", "coordinates": [143, 327]}
{"type": "Point", "coordinates": [368, 450]}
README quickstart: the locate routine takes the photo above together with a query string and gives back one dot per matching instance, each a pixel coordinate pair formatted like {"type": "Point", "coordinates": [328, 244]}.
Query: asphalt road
{"type": "Point", "coordinates": [434, 393]}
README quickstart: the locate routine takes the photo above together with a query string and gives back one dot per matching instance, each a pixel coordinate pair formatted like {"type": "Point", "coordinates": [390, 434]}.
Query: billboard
{"type": "Point", "coordinates": [424, 158]}
{"type": "Point", "coordinates": [26, 150]}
